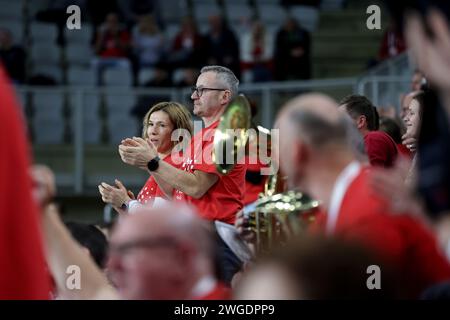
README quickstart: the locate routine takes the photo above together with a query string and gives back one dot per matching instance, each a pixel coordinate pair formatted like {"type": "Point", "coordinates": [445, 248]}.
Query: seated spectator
{"type": "Point", "coordinates": [113, 40]}
{"type": "Point", "coordinates": [112, 45]}
{"type": "Point", "coordinates": [257, 53]}
{"type": "Point", "coordinates": [393, 42]}
{"type": "Point", "coordinates": [188, 46]}
{"type": "Point", "coordinates": [148, 42]}
{"type": "Point", "coordinates": [12, 57]}
{"type": "Point", "coordinates": [221, 45]}
{"type": "Point", "coordinates": [292, 52]}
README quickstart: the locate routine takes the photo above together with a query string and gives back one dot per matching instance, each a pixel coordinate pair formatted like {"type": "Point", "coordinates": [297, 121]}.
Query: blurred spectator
{"type": "Point", "coordinates": [12, 57]}
{"type": "Point", "coordinates": [112, 40]}
{"type": "Point", "coordinates": [257, 53]}
{"type": "Point", "coordinates": [23, 272]}
{"type": "Point", "coordinates": [315, 268]}
{"type": "Point", "coordinates": [221, 45]}
{"type": "Point", "coordinates": [311, 130]}
{"type": "Point", "coordinates": [188, 77]}
{"type": "Point", "coordinates": [292, 52]}
{"type": "Point", "coordinates": [148, 42]}
{"type": "Point", "coordinates": [417, 80]}
{"type": "Point", "coordinates": [133, 10]}
{"type": "Point", "coordinates": [92, 239]}
{"type": "Point", "coordinates": [413, 120]}
{"type": "Point", "coordinates": [392, 43]}
{"type": "Point", "coordinates": [188, 46]}
{"type": "Point", "coordinates": [392, 128]}
{"type": "Point", "coordinates": [112, 45]}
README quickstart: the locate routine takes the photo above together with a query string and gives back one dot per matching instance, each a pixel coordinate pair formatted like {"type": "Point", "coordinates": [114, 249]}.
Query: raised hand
{"type": "Point", "coordinates": [137, 152]}
{"type": "Point", "coordinates": [115, 195]}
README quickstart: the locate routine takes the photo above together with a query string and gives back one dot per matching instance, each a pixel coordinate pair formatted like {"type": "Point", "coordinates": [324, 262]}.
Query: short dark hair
{"type": "Point", "coordinates": [90, 237]}
{"type": "Point", "coordinates": [358, 105]}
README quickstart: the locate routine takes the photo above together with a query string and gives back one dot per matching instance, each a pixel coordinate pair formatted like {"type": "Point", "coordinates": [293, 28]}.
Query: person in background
{"type": "Point", "coordinates": [292, 52]}
{"type": "Point", "coordinates": [257, 53]}
{"type": "Point", "coordinates": [392, 128]}
{"type": "Point", "coordinates": [12, 57]}
{"type": "Point", "coordinates": [311, 130]}
{"type": "Point", "coordinates": [380, 148]}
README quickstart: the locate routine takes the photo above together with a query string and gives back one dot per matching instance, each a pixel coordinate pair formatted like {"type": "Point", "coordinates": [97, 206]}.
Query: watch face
{"type": "Point", "coordinates": [153, 164]}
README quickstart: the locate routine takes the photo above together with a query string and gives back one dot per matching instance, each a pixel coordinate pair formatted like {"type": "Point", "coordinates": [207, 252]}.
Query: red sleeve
{"type": "Point", "coordinates": [23, 270]}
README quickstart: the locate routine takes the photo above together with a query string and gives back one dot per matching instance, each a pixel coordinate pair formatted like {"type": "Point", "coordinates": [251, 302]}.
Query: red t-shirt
{"type": "Point", "coordinates": [220, 292]}
{"type": "Point", "coordinates": [151, 189]}
{"type": "Point", "coordinates": [225, 197]}
{"type": "Point", "coordinates": [252, 189]}
{"type": "Point", "coordinates": [380, 148]}
{"type": "Point", "coordinates": [401, 240]}
{"type": "Point", "coordinates": [404, 151]}
{"type": "Point", "coordinates": [110, 48]}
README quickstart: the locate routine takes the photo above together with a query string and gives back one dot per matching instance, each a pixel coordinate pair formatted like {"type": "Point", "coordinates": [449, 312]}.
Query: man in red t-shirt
{"type": "Point", "coordinates": [312, 129]}
{"type": "Point", "coordinates": [380, 148]}
{"type": "Point", "coordinates": [216, 196]}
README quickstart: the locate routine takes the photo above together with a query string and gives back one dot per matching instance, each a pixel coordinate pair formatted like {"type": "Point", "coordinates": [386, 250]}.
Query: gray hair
{"type": "Point", "coordinates": [225, 76]}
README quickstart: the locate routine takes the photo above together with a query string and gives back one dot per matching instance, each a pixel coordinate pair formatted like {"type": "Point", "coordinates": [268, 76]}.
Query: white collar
{"type": "Point", "coordinates": [341, 185]}
{"type": "Point", "coordinates": [204, 286]}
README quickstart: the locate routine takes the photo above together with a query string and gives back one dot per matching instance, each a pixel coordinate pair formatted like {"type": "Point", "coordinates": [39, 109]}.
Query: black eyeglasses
{"type": "Point", "coordinates": [200, 90]}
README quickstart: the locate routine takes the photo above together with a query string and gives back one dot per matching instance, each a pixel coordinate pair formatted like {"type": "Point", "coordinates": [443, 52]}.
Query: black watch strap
{"type": "Point", "coordinates": [153, 164]}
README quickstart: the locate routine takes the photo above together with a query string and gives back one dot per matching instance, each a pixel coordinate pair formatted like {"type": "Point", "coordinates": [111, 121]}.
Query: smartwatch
{"type": "Point", "coordinates": [153, 164]}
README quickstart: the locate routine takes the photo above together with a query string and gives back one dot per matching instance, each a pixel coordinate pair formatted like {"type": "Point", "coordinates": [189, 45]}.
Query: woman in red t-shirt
{"type": "Point", "coordinates": [158, 125]}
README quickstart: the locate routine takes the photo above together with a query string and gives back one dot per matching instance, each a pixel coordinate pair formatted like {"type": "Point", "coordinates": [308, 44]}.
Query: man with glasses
{"type": "Point", "coordinates": [163, 253]}
{"type": "Point", "coordinates": [216, 196]}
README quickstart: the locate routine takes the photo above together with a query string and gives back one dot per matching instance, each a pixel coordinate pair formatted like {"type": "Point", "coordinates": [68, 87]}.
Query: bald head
{"type": "Point", "coordinates": [175, 221]}
{"type": "Point", "coordinates": [315, 118]}
{"type": "Point", "coordinates": [317, 103]}
{"type": "Point", "coordinates": [160, 253]}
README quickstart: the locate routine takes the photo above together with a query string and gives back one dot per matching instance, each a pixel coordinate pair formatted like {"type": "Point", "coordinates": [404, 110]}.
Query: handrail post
{"type": "Point", "coordinates": [79, 143]}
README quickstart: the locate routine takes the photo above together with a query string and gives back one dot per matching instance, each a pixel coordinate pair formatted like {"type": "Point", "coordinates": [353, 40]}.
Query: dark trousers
{"type": "Point", "coordinates": [227, 263]}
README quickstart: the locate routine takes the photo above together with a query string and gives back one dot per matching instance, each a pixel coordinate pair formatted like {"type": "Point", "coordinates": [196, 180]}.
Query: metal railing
{"type": "Point", "coordinates": [384, 83]}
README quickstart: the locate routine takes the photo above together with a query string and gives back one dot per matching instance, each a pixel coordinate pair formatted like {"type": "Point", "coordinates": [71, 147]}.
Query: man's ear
{"type": "Point", "coordinates": [301, 152]}
{"type": "Point", "coordinates": [226, 97]}
{"type": "Point", "coordinates": [361, 122]}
